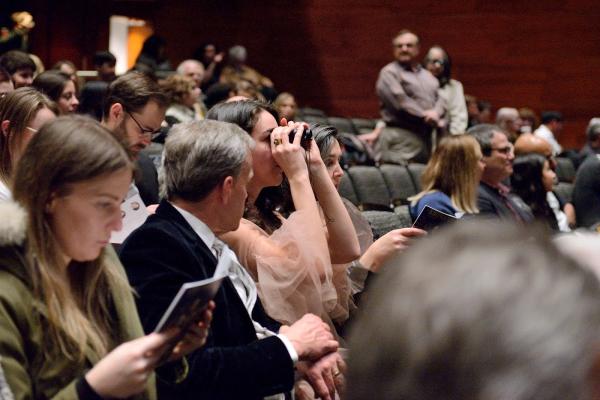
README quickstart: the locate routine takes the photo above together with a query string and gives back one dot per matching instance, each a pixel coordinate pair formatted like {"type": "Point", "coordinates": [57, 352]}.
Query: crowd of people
{"type": "Point", "coordinates": [495, 305]}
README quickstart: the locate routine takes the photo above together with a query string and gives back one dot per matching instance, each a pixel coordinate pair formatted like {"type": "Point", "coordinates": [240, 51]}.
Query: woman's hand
{"type": "Point", "coordinates": [387, 245]}
{"type": "Point", "coordinates": [125, 370]}
{"type": "Point", "coordinates": [289, 155]}
{"type": "Point", "coordinates": [195, 336]}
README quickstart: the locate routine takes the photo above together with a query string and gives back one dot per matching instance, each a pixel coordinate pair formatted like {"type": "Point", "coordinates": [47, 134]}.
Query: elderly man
{"type": "Point", "coordinates": [192, 68]}
{"type": "Point", "coordinates": [494, 197]}
{"type": "Point", "coordinates": [409, 101]}
{"type": "Point", "coordinates": [508, 119]}
{"type": "Point", "coordinates": [592, 144]}
{"type": "Point", "coordinates": [480, 311]}
{"type": "Point", "coordinates": [206, 166]}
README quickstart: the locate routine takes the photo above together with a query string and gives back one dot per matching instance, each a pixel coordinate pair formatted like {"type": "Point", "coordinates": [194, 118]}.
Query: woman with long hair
{"type": "Point", "coordinates": [60, 88]}
{"type": "Point", "coordinates": [22, 114]}
{"type": "Point", "coordinates": [65, 304]}
{"type": "Point", "coordinates": [532, 179]}
{"type": "Point", "coordinates": [289, 258]}
{"type": "Point", "coordinates": [183, 94]}
{"type": "Point", "coordinates": [451, 177]}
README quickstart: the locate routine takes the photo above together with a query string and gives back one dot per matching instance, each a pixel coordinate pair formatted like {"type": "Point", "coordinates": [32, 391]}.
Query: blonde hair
{"type": "Point", "coordinates": [452, 170]}
{"type": "Point", "coordinates": [77, 305]}
{"type": "Point", "coordinates": [177, 86]}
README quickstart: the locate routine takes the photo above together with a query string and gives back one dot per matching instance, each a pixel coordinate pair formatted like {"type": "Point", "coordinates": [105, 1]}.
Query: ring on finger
{"type": "Point", "coordinates": [336, 372]}
{"type": "Point", "coordinates": [277, 142]}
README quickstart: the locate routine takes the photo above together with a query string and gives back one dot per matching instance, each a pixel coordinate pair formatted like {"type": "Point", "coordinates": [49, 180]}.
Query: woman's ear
{"type": "Point", "coordinates": [51, 204]}
{"type": "Point", "coordinates": [4, 127]}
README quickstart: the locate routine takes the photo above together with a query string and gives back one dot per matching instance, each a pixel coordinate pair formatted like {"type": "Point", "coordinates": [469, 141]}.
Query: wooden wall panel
{"type": "Point", "coordinates": [545, 55]}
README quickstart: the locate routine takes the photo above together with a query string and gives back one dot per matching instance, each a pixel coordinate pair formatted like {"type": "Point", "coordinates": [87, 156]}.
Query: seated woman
{"type": "Point", "coordinates": [286, 106]}
{"type": "Point", "coordinates": [65, 304]}
{"type": "Point", "coordinates": [184, 94]}
{"type": "Point", "coordinates": [532, 179]}
{"type": "Point", "coordinates": [450, 180]}
{"type": "Point", "coordinates": [289, 258]}
{"type": "Point", "coordinates": [59, 87]}
{"type": "Point", "coordinates": [22, 114]}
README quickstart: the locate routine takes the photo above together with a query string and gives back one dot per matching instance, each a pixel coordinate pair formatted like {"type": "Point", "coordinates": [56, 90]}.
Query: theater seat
{"type": "Point", "coordinates": [315, 119]}
{"type": "Point", "coordinates": [343, 125]}
{"type": "Point", "coordinates": [565, 191]}
{"type": "Point", "coordinates": [370, 188]}
{"type": "Point", "coordinates": [404, 214]}
{"type": "Point", "coordinates": [565, 170]}
{"type": "Point", "coordinates": [346, 190]}
{"type": "Point", "coordinates": [383, 221]}
{"type": "Point", "coordinates": [363, 125]}
{"type": "Point", "coordinates": [399, 182]}
{"type": "Point", "coordinates": [416, 170]}
{"type": "Point", "coordinates": [306, 111]}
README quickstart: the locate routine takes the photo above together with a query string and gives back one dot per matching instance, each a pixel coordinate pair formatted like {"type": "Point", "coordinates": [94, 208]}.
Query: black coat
{"type": "Point", "coordinates": [159, 257]}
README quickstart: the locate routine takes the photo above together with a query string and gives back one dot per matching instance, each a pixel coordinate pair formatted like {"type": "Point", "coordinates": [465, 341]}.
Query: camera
{"type": "Point", "coordinates": [307, 136]}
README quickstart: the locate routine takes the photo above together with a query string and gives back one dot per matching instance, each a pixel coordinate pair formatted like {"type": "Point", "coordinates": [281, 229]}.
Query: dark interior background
{"type": "Point", "coordinates": [544, 55]}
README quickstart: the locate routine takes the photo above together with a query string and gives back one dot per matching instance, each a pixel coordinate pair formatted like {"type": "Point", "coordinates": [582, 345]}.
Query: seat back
{"type": "Point", "coordinates": [399, 182]}
{"type": "Point", "coordinates": [370, 188]}
{"type": "Point", "coordinates": [344, 125]}
{"type": "Point", "coordinates": [565, 170]}
{"type": "Point", "coordinates": [416, 170]}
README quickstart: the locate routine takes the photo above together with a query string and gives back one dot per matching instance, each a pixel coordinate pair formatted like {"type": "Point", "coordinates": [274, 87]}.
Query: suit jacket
{"type": "Point", "coordinates": [491, 203]}
{"type": "Point", "coordinates": [159, 257]}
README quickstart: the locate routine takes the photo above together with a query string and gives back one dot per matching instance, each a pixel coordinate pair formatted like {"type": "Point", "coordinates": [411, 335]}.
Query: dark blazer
{"type": "Point", "coordinates": [146, 179]}
{"type": "Point", "coordinates": [491, 203]}
{"type": "Point", "coordinates": [159, 257]}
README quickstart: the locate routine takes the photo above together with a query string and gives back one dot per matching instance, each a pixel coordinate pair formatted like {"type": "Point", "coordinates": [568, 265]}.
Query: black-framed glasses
{"type": "Point", "coordinates": [144, 131]}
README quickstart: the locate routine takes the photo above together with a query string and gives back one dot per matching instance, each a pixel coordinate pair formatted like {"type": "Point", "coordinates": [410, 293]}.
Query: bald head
{"type": "Point", "coordinates": [528, 143]}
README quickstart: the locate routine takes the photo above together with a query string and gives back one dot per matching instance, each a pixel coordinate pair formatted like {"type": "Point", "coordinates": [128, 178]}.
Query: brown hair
{"type": "Point", "coordinates": [66, 151]}
{"type": "Point", "coordinates": [19, 107]}
{"type": "Point", "coordinates": [133, 91]}
{"type": "Point", "coordinates": [177, 86]}
{"type": "Point", "coordinates": [452, 170]}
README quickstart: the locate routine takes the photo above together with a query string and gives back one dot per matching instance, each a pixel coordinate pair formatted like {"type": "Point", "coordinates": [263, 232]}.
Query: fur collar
{"type": "Point", "coordinates": [13, 225]}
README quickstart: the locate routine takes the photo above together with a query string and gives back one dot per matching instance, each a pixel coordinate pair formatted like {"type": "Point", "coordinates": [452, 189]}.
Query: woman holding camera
{"type": "Point", "coordinates": [69, 327]}
{"type": "Point", "coordinates": [289, 258]}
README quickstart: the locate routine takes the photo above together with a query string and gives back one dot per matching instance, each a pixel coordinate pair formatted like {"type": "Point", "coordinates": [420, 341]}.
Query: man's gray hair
{"type": "Point", "coordinates": [478, 311]}
{"type": "Point", "coordinates": [484, 133]}
{"type": "Point", "coordinates": [185, 63]}
{"type": "Point", "coordinates": [199, 155]}
{"type": "Point", "coordinates": [593, 129]}
{"type": "Point", "coordinates": [238, 53]}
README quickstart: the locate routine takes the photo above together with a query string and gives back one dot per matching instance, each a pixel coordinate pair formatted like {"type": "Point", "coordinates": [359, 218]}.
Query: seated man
{"type": "Point", "coordinates": [494, 197]}
{"type": "Point", "coordinates": [19, 66]}
{"type": "Point", "coordinates": [206, 166]}
{"type": "Point", "coordinates": [592, 143]}
{"type": "Point", "coordinates": [551, 127]}
{"type": "Point", "coordinates": [480, 311]}
{"type": "Point", "coordinates": [508, 119]}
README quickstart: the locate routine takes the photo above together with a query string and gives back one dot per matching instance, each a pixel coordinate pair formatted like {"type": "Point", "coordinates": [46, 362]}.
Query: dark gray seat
{"type": "Point", "coordinates": [416, 170]}
{"type": "Point", "coordinates": [346, 190]}
{"type": "Point", "coordinates": [565, 170]}
{"type": "Point", "coordinates": [404, 214]}
{"type": "Point", "coordinates": [342, 124]}
{"type": "Point", "coordinates": [565, 191]}
{"type": "Point", "coordinates": [399, 182]}
{"type": "Point", "coordinates": [370, 188]}
{"type": "Point", "coordinates": [382, 222]}
{"type": "Point", "coordinates": [315, 119]}
{"type": "Point", "coordinates": [363, 124]}
{"type": "Point", "coordinates": [305, 111]}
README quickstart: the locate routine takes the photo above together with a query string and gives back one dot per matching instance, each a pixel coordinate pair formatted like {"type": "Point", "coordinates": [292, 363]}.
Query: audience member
{"type": "Point", "coordinates": [59, 87]}
{"type": "Point", "coordinates": [408, 96]}
{"type": "Point", "coordinates": [64, 296]}
{"type": "Point", "coordinates": [212, 60]}
{"type": "Point", "coordinates": [532, 180]}
{"type": "Point", "coordinates": [451, 178]}
{"type": "Point", "coordinates": [94, 91]}
{"type": "Point", "coordinates": [494, 198]}
{"type": "Point", "coordinates": [134, 109]}
{"type": "Point", "coordinates": [20, 67]}
{"type": "Point", "coordinates": [66, 67]}
{"type": "Point", "coordinates": [237, 71]}
{"type": "Point", "coordinates": [104, 63]}
{"type": "Point", "coordinates": [550, 128]}
{"type": "Point", "coordinates": [485, 112]}
{"type": "Point", "coordinates": [286, 106]}
{"type": "Point", "coordinates": [529, 120]}
{"type": "Point", "coordinates": [183, 93]}
{"type": "Point", "coordinates": [508, 119]}
{"type": "Point", "coordinates": [592, 145]}
{"type": "Point", "coordinates": [289, 258]}
{"type": "Point", "coordinates": [564, 211]}
{"type": "Point", "coordinates": [586, 193]}
{"type": "Point", "coordinates": [205, 169]}
{"type": "Point", "coordinates": [6, 84]}
{"type": "Point", "coordinates": [438, 62]}
{"type": "Point", "coordinates": [481, 311]}
{"type": "Point", "coordinates": [22, 113]}
{"type": "Point", "coordinates": [193, 69]}
{"type": "Point", "coordinates": [153, 57]}
{"type": "Point", "coordinates": [472, 110]}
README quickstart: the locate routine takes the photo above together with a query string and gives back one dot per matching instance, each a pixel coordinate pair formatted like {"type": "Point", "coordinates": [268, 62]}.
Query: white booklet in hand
{"type": "Point", "coordinates": [134, 214]}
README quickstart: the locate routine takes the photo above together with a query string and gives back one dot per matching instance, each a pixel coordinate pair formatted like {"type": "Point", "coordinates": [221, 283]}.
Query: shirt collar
{"type": "Point", "coordinates": [201, 229]}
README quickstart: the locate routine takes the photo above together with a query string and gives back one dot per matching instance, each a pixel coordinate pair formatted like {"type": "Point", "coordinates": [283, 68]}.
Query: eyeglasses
{"type": "Point", "coordinates": [144, 131]}
{"type": "Point", "coordinates": [503, 150]}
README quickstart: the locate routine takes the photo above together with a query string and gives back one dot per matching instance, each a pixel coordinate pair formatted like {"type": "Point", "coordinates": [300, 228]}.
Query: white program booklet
{"type": "Point", "coordinates": [134, 214]}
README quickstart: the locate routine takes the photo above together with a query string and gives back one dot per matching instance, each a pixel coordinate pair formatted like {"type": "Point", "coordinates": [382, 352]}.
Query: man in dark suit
{"type": "Point", "coordinates": [494, 197]}
{"type": "Point", "coordinates": [206, 167]}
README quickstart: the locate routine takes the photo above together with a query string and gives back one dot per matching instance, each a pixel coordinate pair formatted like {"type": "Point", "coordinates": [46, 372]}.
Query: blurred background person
{"type": "Point", "coordinates": [60, 88]}
{"type": "Point", "coordinates": [183, 93]}
{"type": "Point", "coordinates": [153, 57]}
{"type": "Point", "coordinates": [438, 62]}
{"type": "Point", "coordinates": [550, 129]}
{"type": "Point", "coordinates": [212, 59]}
{"type": "Point", "coordinates": [509, 120]}
{"type": "Point", "coordinates": [529, 120]}
{"type": "Point", "coordinates": [286, 106]}
{"type": "Point", "coordinates": [6, 84]}
{"type": "Point", "coordinates": [237, 70]}
{"type": "Point", "coordinates": [20, 67]}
